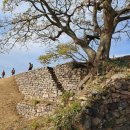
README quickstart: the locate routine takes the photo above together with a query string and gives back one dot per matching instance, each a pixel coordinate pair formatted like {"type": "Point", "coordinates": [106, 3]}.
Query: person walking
{"type": "Point", "coordinates": [13, 71]}
{"type": "Point", "coordinates": [30, 66]}
{"type": "Point", "coordinates": [3, 74]}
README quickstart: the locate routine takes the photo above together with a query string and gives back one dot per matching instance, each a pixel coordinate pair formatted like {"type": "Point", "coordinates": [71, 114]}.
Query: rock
{"type": "Point", "coordinates": [87, 123]}
{"type": "Point", "coordinates": [124, 87]}
{"type": "Point", "coordinates": [125, 93]}
{"type": "Point", "coordinates": [113, 89]}
{"type": "Point", "coordinates": [83, 98]}
{"type": "Point", "coordinates": [120, 120]}
{"type": "Point", "coordinates": [82, 103]}
{"type": "Point", "coordinates": [93, 112]}
{"type": "Point", "coordinates": [108, 81]}
{"type": "Point", "coordinates": [115, 95]}
{"type": "Point", "coordinates": [125, 97]}
{"type": "Point", "coordinates": [96, 121]}
{"type": "Point", "coordinates": [118, 76]}
{"type": "Point", "coordinates": [112, 106]}
{"type": "Point", "coordinates": [128, 111]}
{"type": "Point", "coordinates": [108, 129]}
{"type": "Point", "coordinates": [116, 114]}
{"type": "Point", "coordinates": [122, 105]}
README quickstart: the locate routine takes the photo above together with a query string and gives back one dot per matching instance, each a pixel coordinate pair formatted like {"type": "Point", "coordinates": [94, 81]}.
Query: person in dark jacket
{"type": "Point", "coordinates": [30, 66]}
{"type": "Point", "coordinates": [13, 71]}
{"type": "Point", "coordinates": [3, 74]}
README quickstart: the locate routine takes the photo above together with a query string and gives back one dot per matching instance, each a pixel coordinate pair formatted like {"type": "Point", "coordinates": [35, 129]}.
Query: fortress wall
{"type": "Point", "coordinates": [47, 83]}
{"type": "Point", "coordinates": [109, 109]}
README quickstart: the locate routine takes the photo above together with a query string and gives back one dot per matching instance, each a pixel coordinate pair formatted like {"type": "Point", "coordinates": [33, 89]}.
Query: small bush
{"type": "Point", "coordinates": [65, 117]}
{"type": "Point", "coordinates": [128, 76]}
{"type": "Point", "coordinates": [65, 97]}
{"type": "Point", "coordinates": [34, 125]}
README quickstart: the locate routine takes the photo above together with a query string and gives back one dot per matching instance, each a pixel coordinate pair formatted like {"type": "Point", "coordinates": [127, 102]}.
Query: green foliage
{"type": "Point", "coordinates": [65, 117]}
{"type": "Point", "coordinates": [66, 96]}
{"type": "Point", "coordinates": [128, 75]}
{"type": "Point", "coordinates": [34, 125]}
{"type": "Point", "coordinates": [5, 2]}
{"type": "Point", "coordinates": [46, 58]}
{"type": "Point", "coordinates": [118, 63]}
{"type": "Point", "coordinates": [46, 122]}
{"type": "Point", "coordinates": [63, 50]}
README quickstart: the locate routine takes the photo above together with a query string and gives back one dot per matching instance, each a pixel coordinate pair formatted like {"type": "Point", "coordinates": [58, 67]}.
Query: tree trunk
{"type": "Point", "coordinates": [107, 31]}
{"type": "Point", "coordinates": [104, 47]}
{"type": "Point", "coordinates": [84, 45]}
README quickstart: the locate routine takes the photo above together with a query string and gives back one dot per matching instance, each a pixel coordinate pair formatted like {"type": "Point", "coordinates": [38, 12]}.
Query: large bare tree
{"type": "Point", "coordinates": [87, 22]}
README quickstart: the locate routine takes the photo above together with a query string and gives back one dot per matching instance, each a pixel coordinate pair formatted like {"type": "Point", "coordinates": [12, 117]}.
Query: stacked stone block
{"type": "Point", "coordinates": [111, 109]}
{"type": "Point", "coordinates": [39, 84]}
{"type": "Point", "coordinates": [30, 112]}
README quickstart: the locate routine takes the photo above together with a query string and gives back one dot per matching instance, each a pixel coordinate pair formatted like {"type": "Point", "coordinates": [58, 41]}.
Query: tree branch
{"type": "Point", "coordinates": [123, 18]}
{"type": "Point", "coordinates": [96, 26]}
{"type": "Point", "coordinates": [123, 11]}
{"type": "Point", "coordinates": [57, 36]}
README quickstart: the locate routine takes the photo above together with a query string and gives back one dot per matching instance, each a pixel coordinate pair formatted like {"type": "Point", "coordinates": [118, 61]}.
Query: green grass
{"type": "Point", "coordinates": [118, 63]}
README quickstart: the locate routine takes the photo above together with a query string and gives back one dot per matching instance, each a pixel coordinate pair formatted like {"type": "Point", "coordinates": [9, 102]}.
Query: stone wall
{"type": "Point", "coordinates": [110, 109]}
{"type": "Point", "coordinates": [48, 83]}
{"type": "Point", "coordinates": [29, 111]}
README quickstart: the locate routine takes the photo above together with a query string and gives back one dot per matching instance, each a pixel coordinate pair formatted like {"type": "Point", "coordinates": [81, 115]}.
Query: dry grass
{"type": "Point", "coordinates": [9, 97]}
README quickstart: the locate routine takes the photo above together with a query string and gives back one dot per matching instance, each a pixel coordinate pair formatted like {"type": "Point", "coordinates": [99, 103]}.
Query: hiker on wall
{"type": "Point", "coordinates": [30, 66]}
{"type": "Point", "coordinates": [13, 71]}
{"type": "Point", "coordinates": [3, 74]}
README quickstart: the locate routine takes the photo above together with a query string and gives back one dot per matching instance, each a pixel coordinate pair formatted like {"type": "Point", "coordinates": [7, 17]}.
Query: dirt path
{"type": "Point", "coordinates": [9, 97]}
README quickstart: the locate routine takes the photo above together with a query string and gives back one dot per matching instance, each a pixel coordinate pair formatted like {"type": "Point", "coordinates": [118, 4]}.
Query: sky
{"type": "Point", "coordinates": [19, 57]}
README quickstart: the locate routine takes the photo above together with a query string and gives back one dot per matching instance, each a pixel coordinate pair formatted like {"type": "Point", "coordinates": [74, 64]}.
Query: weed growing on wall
{"type": "Point", "coordinates": [66, 97]}
{"type": "Point", "coordinates": [65, 117]}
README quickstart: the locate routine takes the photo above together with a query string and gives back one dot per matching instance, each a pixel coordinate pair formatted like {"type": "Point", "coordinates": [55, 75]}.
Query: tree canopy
{"type": "Point", "coordinates": [87, 22]}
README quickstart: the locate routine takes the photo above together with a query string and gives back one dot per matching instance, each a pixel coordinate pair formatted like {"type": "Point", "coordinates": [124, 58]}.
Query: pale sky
{"type": "Point", "coordinates": [19, 57]}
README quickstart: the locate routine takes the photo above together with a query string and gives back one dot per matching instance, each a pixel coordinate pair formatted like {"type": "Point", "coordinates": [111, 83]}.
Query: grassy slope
{"type": "Point", "coordinates": [9, 97]}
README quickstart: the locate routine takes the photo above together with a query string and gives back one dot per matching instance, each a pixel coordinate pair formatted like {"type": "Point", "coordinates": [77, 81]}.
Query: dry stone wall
{"type": "Point", "coordinates": [110, 109]}
{"type": "Point", "coordinates": [30, 111]}
{"type": "Point", "coordinates": [46, 83]}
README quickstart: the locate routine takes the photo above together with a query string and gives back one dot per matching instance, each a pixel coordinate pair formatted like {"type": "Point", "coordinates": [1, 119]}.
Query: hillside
{"type": "Point", "coordinates": [101, 103]}
{"type": "Point", "coordinates": [9, 97]}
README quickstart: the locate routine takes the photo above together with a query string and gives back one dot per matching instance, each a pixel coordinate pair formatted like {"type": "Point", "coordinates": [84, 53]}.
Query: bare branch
{"type": "Point", "coordinates": [96, 26]}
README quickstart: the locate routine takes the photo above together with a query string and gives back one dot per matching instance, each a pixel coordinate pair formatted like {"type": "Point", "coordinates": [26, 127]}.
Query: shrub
{"type": "Point", "coordinates": [65, 97]}
{"type": "Point", "coordinates": [65, 117]}
{"type": "Point", "coordinates": [34, 125]}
